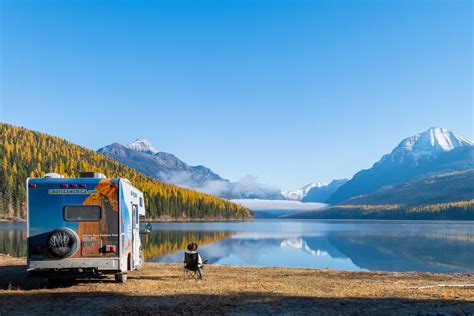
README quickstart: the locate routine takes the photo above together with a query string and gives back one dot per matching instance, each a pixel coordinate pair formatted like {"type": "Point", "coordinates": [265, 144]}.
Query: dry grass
{"type": "Point", "coordinates": [160, 289]}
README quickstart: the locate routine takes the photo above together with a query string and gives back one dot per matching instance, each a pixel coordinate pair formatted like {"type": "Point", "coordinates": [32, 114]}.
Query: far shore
{"type": "Point", "coordinates": [15, 220]}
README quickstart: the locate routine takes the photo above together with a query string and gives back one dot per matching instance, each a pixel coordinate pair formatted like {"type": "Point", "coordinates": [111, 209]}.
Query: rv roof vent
{"type": "Point", "coordinates": [89, 174]}
{"type": "Point", "coordinates": [53, 175]}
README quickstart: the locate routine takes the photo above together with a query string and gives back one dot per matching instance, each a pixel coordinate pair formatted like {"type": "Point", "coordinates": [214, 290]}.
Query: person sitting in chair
{"type": "Point", "coordinates": [193, 261]}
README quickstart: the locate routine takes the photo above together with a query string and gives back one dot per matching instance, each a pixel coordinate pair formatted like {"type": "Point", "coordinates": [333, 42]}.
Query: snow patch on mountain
{"type": "Point", "coordinates": [425, 145]}
{"type": "Point", "coordinates": [142, 145]}
{"type": "Point", "coordinates": [299, 194]}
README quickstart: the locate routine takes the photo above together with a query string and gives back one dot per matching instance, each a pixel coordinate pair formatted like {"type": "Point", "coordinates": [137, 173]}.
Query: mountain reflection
{"type": "Point", "coordinates": [299, 243]}
{"type": "Point", "coordinates": [344, 250]}
{"type": "Point", "coordinates": [408, 252]}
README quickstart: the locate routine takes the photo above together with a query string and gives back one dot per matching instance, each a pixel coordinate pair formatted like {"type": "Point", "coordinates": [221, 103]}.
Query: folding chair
{"type": "Point", "coordinates": [192, 268]}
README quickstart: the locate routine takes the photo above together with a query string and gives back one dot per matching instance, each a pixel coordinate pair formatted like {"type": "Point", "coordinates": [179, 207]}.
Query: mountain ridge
{"type": "Point", "coordinates": [160, 165]}
{"type": "Point", "coordinates": [408, 162]}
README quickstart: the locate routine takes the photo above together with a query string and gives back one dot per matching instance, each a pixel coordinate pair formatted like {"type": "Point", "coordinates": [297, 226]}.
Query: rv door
{"type": "Point", "coordinates": [136, 235]}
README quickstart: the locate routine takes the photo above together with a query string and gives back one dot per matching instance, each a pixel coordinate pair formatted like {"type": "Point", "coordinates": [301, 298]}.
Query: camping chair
{"type": "Point", "coordinates": [192, 268]}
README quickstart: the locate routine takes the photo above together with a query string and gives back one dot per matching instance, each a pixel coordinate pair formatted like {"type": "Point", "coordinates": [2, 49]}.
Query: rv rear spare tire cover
{"type": "Point", "coordinates": [63, 242]}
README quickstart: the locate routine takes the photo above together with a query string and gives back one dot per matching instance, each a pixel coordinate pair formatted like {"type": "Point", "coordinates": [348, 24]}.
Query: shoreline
{"type": "Point", "coordinates": [160, 289]}
{"type": "Point", "coordinates": [16, 220]}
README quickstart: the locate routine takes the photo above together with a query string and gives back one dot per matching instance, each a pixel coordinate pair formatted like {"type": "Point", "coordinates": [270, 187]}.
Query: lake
{"type": "Point", "coordinates": [433, 246]}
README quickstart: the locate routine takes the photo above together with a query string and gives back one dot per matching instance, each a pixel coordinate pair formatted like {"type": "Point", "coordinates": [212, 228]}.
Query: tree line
{"type": "Point", "coordinates": [456, 210]}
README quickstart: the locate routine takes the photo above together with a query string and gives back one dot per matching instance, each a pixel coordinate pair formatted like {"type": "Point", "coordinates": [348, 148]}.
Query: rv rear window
{"type": "Point", "coordinates": [82, 213]}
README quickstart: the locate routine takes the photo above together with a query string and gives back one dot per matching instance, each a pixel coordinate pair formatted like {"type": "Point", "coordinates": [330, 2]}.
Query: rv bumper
{"type": "Point", "coordinates": [101, 265]}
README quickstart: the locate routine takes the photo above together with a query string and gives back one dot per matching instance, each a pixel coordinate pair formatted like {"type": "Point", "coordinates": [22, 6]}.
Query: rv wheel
{"type": "Point", "coordinates": [63, 242]}
{"type": "Point", "coordinates": [121, 278]}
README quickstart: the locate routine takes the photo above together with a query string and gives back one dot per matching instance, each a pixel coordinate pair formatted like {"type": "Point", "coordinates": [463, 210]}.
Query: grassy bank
{"type": "Point", "coordinates": [160, 289]}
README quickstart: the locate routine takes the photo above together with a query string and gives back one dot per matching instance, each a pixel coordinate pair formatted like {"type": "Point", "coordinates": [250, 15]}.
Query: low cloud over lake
{"type": "Point", "coordinates": [264, 205]}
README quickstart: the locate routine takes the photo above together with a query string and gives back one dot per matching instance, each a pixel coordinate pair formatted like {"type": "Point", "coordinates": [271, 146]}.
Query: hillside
{"type": "Point", "coordinates": [441, 188]}
{"type": "Point", "coordinates": [25, 153]}
{"type": "Point", "coordinates": [459, 210]}
{"type": "Point", "coordinates": [448, 196]}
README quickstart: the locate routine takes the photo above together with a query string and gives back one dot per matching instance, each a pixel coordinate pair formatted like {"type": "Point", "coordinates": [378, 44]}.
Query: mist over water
{"type": "Point", "coordinates": [433, 246]}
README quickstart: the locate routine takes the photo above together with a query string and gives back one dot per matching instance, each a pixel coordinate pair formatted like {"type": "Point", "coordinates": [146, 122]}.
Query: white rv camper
{"type": "Point", "coordinates": [85, 226]}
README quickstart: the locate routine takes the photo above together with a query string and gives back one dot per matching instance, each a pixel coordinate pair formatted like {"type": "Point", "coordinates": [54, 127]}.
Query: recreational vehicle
{"type": "Point", "coordinates": [83, 227]}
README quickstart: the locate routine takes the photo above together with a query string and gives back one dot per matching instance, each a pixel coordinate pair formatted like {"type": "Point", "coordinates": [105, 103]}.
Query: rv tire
{"type": "Point", "coordinates": [121, 277]}
{"type": "Point", "coordinates": [63, 242]}
{"type": "Point", "coordinates": [54, 282]}
{"type": "Point", "coordinates": [60, 282]}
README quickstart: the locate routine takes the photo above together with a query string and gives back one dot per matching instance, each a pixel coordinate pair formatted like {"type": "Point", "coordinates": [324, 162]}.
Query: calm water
{"type": "Point", "coordinates": [435, 246]}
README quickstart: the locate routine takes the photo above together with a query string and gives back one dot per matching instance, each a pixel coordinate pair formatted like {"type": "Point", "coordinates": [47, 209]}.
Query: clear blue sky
{"type": "Point", "coordinates": [288, 91]}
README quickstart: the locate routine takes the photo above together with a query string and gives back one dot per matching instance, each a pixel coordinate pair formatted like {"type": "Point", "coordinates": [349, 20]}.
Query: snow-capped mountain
{"type": "Point", "coordinates": [142, 156]}
{"type": "Point", "coordinates": [321, 194]}
{"type": "Point", "coordinates": [426, 145]}
{"type": "Point", "coordinates": [142, 145]}
{"type": "Point", "coordinates": [434, 151]}
{"type": "Point", "coordinates": [299, 194]}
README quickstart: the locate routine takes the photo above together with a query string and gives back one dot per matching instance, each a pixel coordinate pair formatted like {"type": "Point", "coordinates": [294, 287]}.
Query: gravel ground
{"type": "Point", "coordinates": [161, 289]}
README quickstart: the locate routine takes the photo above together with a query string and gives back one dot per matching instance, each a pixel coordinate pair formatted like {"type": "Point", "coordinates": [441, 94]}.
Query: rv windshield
{"type": "Point", "coordinates": [82, 213]}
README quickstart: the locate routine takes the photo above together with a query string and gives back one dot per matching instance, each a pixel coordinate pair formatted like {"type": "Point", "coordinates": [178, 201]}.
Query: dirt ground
{"type": "Point", "coordinates": [161, 289]}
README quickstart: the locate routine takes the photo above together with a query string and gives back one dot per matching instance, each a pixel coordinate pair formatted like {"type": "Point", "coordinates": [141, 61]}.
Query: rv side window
{"type": "Point", "coordinates": [82, 213]}
{"type": "Point", "coordinates": [141, 202]}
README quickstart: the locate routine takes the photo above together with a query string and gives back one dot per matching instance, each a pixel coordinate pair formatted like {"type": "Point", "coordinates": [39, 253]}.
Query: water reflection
{"type": "Point", "coordinates": [351, 245]}
{"type": "Point", "coordinates": [13, 239]}
{"type": "Point", "coordinates": [348, 245]}
{"type": "Point", "coordinates": [434, 252]}
{"type": "Point", "coordinates": [159, 243]}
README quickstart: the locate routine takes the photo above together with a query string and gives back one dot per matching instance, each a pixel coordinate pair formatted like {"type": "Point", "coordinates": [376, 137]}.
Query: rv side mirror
{"type": "Point", "coordinates": [146, 229]}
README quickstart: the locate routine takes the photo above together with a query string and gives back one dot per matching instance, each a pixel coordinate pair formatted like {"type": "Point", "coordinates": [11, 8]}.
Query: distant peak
{"type": "Point", "coordinates": [299, 194]}
{"type": "Point", "coordinates": [436, 137]}
{"type": "Point", "coordinates": [317, 184]}
{"type": "Point", "coordinates": [428, 143]}
{"type": "Point", "coordinates": [143, 145]}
